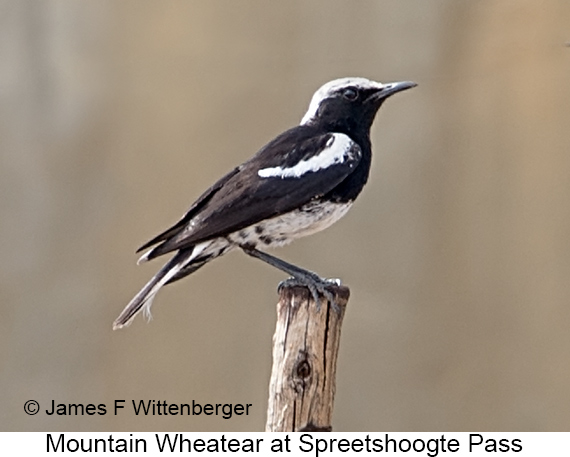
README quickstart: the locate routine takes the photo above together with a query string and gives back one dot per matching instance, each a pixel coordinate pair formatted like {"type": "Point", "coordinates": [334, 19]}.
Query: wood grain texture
{"type": "Point", "coordinates": [305, 349]}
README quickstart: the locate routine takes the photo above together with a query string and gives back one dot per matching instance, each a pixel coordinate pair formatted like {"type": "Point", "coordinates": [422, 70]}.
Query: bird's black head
{"type": "Point", "coordinates": [349, 105]}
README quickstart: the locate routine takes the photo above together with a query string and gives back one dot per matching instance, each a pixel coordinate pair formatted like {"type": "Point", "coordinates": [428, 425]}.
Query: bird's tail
{"type": "Point", "coordinates": [143, 300]}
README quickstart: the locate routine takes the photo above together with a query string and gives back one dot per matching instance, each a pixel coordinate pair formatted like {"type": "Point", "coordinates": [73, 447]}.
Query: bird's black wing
{"type": "Point", "coordinates": [295, 168]}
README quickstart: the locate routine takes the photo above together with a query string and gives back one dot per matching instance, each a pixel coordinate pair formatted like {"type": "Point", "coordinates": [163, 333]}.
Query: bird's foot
{"type": "Point", "coordinates": [317, 286]}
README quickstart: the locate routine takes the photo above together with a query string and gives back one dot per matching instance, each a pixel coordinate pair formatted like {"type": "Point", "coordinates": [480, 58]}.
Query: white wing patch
{"type": "Point", "coordinates": [338, 149]}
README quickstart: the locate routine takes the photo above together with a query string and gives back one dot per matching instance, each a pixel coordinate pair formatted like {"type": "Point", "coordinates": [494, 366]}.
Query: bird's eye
{"type": "Point", "coordinates": [350, 94]}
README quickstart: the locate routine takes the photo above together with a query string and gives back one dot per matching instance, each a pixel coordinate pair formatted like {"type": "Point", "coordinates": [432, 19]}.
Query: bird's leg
{"type": "Point", "coordinates": [300, 276]}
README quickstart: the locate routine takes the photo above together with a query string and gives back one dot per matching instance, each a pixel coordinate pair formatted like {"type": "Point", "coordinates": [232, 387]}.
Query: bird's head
{"type": "Point", "coordinates": [349, 105]}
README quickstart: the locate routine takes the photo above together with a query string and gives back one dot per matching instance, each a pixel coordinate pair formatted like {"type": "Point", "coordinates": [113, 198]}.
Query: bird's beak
{"type": "Point", "coordinates": [391, 88]}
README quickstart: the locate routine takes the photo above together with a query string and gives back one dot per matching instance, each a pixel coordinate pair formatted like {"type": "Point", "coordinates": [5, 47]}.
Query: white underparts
{"type": "Point", "coordinates": [281, 230]}
{"type": "Point", "coordinates": [337, 150]}
{"type": "Point", "coordinates": [270, 233]}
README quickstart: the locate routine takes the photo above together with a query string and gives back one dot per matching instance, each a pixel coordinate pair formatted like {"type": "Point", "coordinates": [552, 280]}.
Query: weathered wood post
{"type": "Point", "coordinates": [305, 349]}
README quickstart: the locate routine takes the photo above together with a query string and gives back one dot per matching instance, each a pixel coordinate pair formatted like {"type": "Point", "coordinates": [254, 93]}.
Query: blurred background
{"type": "Point", "coordinates": [116, 115]}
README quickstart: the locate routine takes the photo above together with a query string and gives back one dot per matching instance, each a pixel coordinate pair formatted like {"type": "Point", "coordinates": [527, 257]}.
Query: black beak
{"type": "Point", "coordinates": [391, 89]}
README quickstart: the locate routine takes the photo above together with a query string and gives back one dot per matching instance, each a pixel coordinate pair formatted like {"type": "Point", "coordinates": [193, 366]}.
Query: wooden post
{"type": "Point", "coordinates": [305, 349]}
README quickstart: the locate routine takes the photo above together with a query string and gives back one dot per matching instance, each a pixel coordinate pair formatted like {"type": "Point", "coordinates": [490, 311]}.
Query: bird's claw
{"type": "Point", "coordinates": [317, 286]}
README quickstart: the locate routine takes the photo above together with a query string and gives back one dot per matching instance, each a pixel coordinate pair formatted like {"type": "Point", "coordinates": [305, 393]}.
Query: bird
{"type": "Point", "coordinates": [298, 184]}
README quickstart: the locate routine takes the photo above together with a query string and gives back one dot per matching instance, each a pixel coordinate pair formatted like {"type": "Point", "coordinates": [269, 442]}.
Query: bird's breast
{"type": "Point", "coordinates": [280, 230]}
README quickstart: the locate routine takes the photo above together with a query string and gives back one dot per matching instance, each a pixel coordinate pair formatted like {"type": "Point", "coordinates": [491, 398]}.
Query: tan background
{"type": "Point", "coordinates": [115, 115]}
